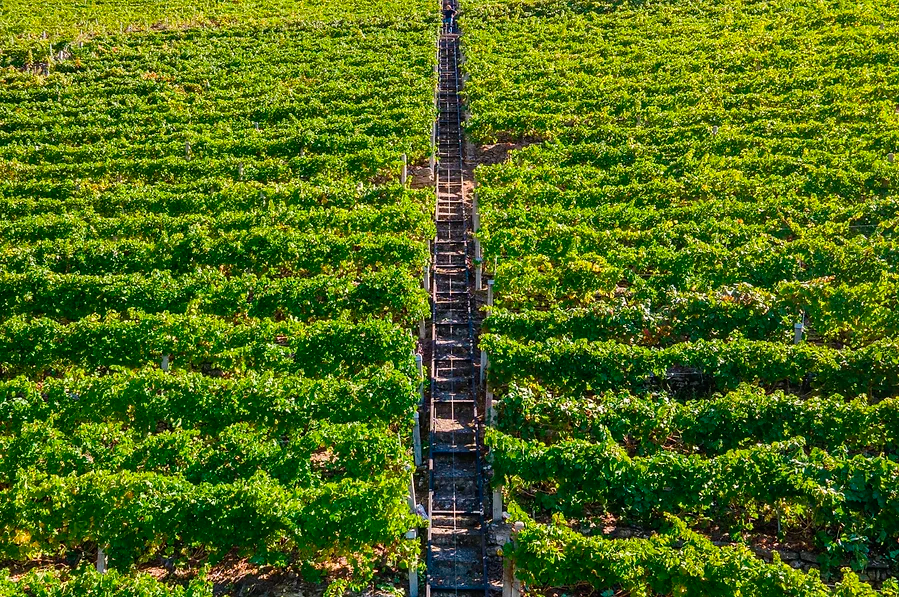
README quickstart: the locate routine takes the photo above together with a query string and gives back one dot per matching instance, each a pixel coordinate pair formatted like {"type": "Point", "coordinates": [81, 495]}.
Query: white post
{"type": "Point", "coordinates": [240, 171]}
{"type": "Point", "coordinates": [413, 533]}
{"type": "Point", "coordinates": [511, 585]}
{"type": "Point", "coordinates": [433, 160]}
{"type": "Point", "coordinates": [187, 150]}
{"type": "Point", "coordinates": [488, 402]}
{"type": "Point", "coordinates": [421, 377]}
{"type": "Point", "coordinates": [507, 578]}
{"type": "Point", "coordinates": [498, 504]}
{"type": "Point", "coordinates": [478, 272]}
{"type": "Point", "coordinates": [416, 441]}
{"type": "Point", "coordinates": [797, 332]}
{"type": "Point", "coordinates": [413, 578]}
{"type": "Point", "coordinates": [405, 173]}
{"type": "Point", "coordinates": [102, 561]}
{"type": "Point", "coordinates": [426, 278]}
{"type": "Point", "coordinates": [165, 362]}
{"type": "Point", "coordinates": [477, 249]}
{"type": "Point", "coordinates": [891, 157]}
{"type": "Point", "coordinates": [475, 216]}
{"type": "Point", "coordinates": [483, 365]}
{"type": "Point", "coordinates": [489, 293]}
{"type": "Point", "coordinates": [422, 330]}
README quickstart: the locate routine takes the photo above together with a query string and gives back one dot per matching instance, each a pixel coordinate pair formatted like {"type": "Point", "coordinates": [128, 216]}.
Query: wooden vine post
{"type": "Point", "coordinates": [511, 584]}
{"type": "Point", "coordinates": [488, 391]}
{"type": "Point", "coordinates": [420, 368]}
{"type": "Point", "coordinates": [413, 578]}
{"type": "Point", "coordinates": [478, 259]}
{"type": "Point", "coordinates": [497, 504]}
{"type": "Point", "coordinates": [416, 441]}
{"type": "Point", "coordinates": [413, 534]}
{"type": "Point", "coordinates": [102, 561]}
{"type": "Point", "coordinates": [497, 513]}
{"type": "Point", "coordinates": [433, 159]}
{"type": "Point", "coordinates": [416, 430]}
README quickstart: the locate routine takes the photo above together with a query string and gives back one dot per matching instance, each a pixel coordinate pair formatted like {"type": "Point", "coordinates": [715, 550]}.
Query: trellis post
{"type": "Point", "coordinates": [102, 561]}
{"type": "Point", "coordinates": [416, 440]}
{"type": "Point", "coordinates": [433, 159]}
{"type": "Point", "coordinates": [413, 534]}
{"type": "Point", "coordinates": [419, 366]}
{"type": "Point", "coordinates": [488, 403]}
{"type": "Point", "coordinates": [511, 584]}
{"type": "Point", "coordinates": [413, 578]}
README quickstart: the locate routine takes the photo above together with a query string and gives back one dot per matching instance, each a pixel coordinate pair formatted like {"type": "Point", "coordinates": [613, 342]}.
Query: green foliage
{"type": "Point", "coordinates": [580, 365]}
{"type": "Point", "coordinates": [65, 20]}
{"type": "Point", "coordinates": [136, 514]}
{"type": "Point", "coordinates": [685, 182]}
{"type": "Point", "coordinates": [853, 315]}
{"type": "Point", "coordinates": [138, 339]}
{"type": "Point", "coordinates": [148, 399]}
{"type": "Point", "coordinates": [391, 293]}
{"type": "Point", "coordinates": [676, 562]}
{"type": "Point", "coordinates": [87, 582]}
{"type": "Point", "coordinates": [857, 495]}
{"type": "Point", "coordinates": [649, 423]}
{"type": "Point", "coordinates": [214, 186]}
